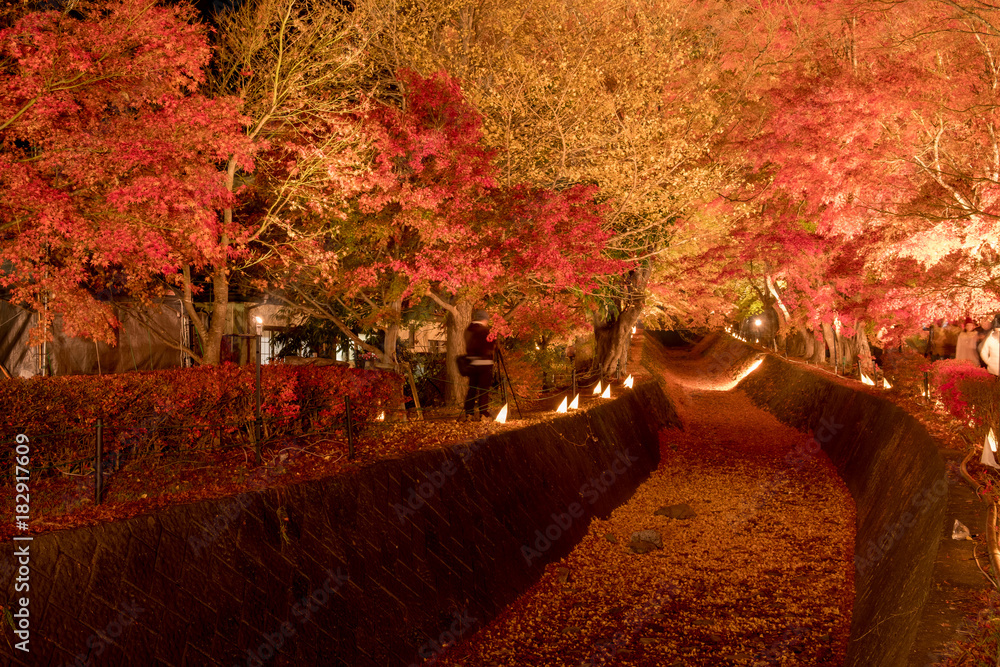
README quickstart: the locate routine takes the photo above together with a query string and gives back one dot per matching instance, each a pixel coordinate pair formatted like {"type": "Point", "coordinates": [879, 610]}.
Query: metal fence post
{"type": "Point", "coordinates": [98, 468]}
{"type": "Point", "coordinates": [257, 426]}
{"type": "Point", "coordinates": [927, 386]}
{"type": "Point", "coordinates": [350, 428]}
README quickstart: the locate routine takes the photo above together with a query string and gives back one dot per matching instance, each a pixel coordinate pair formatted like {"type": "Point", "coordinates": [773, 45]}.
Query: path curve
{"type": "Point", "coordinates": [762, 575]}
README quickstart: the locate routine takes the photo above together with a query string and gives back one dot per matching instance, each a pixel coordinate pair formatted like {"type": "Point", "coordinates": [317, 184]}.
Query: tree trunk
{"type": "Point", "coordinates": [212, 339]}
{"type": "Point", "coordinates": [612, 339]}
{"type": "Point", "coordinates": [831, 343]}
{"type": "Point", "coordinates": [819, 347]}
{"type": "Point", "coordinates": [613, 335]}
{"type": "Point", "coordinates": [456, 322]}
{"type": "Point", "coordinates": [795, 344]}
{"type": "Point", "coordinates": [806, 343]}
{"type": "Point", "coordinates": [864, 352]}
{"type": "Point", "coordinates": [392, 335]}
{"type": "Point", "coordinates": [847, 348]}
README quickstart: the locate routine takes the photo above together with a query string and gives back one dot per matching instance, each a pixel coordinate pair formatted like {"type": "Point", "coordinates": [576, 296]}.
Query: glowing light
{"type": "Point", "coordinates": [989, 452]}
{"type": "Point", "coordinates": [633, 331]}
{"type": "Point", "coordinates": [607, 392]}
{"type": "Point", "coordinates": [628, 382]}
{"type": "Point", "coordinates": [739, 378]}
{"type": "Point", "coordinates": [502, 415]}
{"type": "Point", "coordinates": [757, 322]}
{"type": "Point", "coordinates": [885, 384]}
{"type": "Point", "coordinates": [381, 416]}
{"type": "Point", "coordinates": [563, 407]}
{"type": "Point", "coordinates": [867, 380]}
{"type": "Point", "coordinates": [597, 389]}
{"type": "Point", "coordinates": [575, 404]}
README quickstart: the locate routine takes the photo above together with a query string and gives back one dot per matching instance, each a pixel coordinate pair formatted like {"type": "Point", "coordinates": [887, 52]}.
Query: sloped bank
{"type": "Point", "coordinates": [380, 567]}
{"type": "Point", "coordinates": [897, 479]}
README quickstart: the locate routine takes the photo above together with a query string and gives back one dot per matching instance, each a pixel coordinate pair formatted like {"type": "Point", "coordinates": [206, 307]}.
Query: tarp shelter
{"type": "Point", "coordinates": [136, 349]}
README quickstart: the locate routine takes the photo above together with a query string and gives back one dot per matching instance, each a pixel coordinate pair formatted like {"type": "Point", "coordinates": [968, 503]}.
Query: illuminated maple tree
{"type": "Point", "coordinates": [875, 153]}
{"type": "Point", "coordinates": [107, 157]}
{"type": "Point", "coordinates": [624, 96]}
{"type": "Point", "coordinates": [294, 66]}
{"type": "Point", "coordinates": [430, 222]}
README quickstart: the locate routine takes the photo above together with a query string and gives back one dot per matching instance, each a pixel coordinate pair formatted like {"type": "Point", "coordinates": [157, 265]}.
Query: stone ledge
{"type": "Point", "coordinates": [340, 567]}
{"type": "Point", "coordinates": [905, 503]}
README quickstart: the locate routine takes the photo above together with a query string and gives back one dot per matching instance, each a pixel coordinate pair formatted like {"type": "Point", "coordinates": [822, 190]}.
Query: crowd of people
{"type": "Point", "coordinates": [971, 342]}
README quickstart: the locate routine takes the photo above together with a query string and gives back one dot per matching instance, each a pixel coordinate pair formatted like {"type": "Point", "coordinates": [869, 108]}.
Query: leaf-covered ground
{"type": "Point", "coordinates": [763, 575]}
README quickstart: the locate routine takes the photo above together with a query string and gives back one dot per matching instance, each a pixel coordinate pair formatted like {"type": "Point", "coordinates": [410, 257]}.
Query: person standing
{"type": "Point", "coordinates": [479, 348]}
{"type": "Point", "coordinates": [990, 350]}
{"type": "Point", "coordinates": [967, 343]}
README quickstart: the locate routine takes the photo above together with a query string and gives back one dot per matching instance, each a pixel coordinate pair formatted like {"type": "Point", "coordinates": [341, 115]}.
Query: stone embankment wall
{"type": "Point", "coordinates": [379, 567]}
{"type": "Point", "coordinates": [895, 474]}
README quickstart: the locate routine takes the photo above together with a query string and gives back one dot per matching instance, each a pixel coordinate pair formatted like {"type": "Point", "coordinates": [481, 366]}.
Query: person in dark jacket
{"type": "Point", "coordinates": [479, 349]}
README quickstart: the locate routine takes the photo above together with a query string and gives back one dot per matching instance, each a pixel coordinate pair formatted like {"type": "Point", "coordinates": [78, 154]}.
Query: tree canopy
{"type": "Point", "coordinates": [372, 162]}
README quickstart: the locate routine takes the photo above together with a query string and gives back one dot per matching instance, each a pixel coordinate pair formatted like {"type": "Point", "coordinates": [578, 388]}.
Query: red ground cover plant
{"type": "Point", "coordinates": [968, 392]}
{"type": "Point", "coordinates": [161, 465]}
{"type": "Point", "coordinates": [185, 408]}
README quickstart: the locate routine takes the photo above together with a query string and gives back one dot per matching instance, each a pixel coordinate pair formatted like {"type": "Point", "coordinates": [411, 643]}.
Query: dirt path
{"type": "Point", "coordinates": [760, 576]}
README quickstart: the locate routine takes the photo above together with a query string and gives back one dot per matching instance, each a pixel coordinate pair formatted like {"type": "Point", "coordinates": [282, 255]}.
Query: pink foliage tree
{"type": "Point", "coordinates": [108, 157]}
{"type": "Point", "coordinates": [431, 222]}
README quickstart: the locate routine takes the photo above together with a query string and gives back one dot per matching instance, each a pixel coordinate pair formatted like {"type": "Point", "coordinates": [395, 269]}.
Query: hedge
{"type": "Point", "coordinates": [185, 407]}
{"type": "Point", "coordinates": [968, 392]}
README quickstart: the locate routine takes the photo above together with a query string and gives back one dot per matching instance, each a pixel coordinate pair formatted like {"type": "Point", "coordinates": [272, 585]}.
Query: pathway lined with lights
{"type": "Point", "coordinates": [760, 575]}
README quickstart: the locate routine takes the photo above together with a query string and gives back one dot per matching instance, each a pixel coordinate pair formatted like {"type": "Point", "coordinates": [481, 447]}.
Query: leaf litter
{"type": "Point", "coordinates": [762, 574]}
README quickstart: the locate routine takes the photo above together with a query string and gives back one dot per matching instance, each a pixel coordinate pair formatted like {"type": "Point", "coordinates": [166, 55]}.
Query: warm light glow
{"type": "Point", "coordinates": [260, 320]}
{"type": "Point", "coordinates": [575, 404]}
{"type": "Point", "coordinates": [563, 407]}
{"type": "Point", "coordinates": [757, 322]}
{"type": "Point", "coordinates": [381, 416]}
{"type": "Point", "coordinates": [885, 384]}
{"type": "Point", "coordinates": [502, 415]}
{"type": "Point", "coordinates": [628, 382]}
{"type": "Point", "coordinates": [597, 389]}
{"type": "Point", "coordinates": [992, 440]}
{"type": "Point", "coordinates": [633, 331]}
{"type": "Point", "coordinates": [867, 380]}
{"type": "Point", "coordinates": [739, 378]}
{"type": "Point", "coordinates": [607, 392]}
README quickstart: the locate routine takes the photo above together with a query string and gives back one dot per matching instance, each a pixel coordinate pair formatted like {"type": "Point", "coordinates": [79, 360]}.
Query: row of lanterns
{"type": "Point", "coordinates": [867, 380]}
{"type": "Point", "coordinates": [989, 445]}
{"type": "Point", "coordinates": [604, 392]}
{"type": "Point", "coordinates": [864, 378]}
{"type": "Point", "coordinates": [566, 405]}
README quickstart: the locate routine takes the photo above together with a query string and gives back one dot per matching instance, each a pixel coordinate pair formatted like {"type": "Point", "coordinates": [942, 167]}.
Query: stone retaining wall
{"type": "Point", "coordinates": [897, 478]}
{"type": "Point", "coordinates": [379, 567]}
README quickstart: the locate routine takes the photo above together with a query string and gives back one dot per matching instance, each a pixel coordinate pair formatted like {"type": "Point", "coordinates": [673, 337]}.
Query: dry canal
{"type": "Point", "coordinates": [749, 560]}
